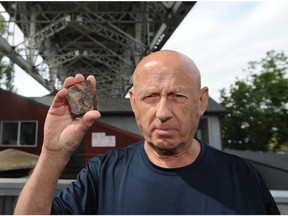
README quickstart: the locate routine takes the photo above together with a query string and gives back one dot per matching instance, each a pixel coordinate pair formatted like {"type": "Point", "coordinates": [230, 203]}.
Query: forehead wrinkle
{"type": "Point", "coordinates": [164, 91]}
{"type": "Point", "coordinates": [141, 69]}
{"type": "Point", "coordinates": [168, 59]}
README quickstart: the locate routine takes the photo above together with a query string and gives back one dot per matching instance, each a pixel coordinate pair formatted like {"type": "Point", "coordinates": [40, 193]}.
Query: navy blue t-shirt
{"type": "Point", "coordinates": [125, 181]}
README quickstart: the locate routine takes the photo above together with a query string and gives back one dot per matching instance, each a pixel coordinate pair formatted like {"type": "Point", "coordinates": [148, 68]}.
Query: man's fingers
{"type": "Point", "coordinates": [73, 80]}
{"type": "Point", "coordinates": [92, 80]}
{"type": "Point", "coordinates": [87, 120]}
{"type": "Point", "coordinates": [60, 98]}
{"type": "Point", "coordinates": [69, 82]}
{"type": "Point", "coordinates": [90, 117]}
{"type": "Point", "coordinates": [79, 78]}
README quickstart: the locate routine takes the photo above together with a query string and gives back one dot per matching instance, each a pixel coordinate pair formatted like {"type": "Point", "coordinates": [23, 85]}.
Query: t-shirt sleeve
{"type": "Point", "coordinates": [80, 197]}
{"type": "Point", "coordinates": [268, 200]}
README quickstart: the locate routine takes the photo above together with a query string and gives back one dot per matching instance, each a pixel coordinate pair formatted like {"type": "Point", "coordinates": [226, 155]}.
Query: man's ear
{"type": "Point", "coordinates": [204, 98]}
{"type": "Point", "coordinates": [132, 99]}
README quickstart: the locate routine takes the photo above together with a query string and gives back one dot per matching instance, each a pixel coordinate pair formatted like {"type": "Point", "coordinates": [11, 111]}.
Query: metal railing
{"type": "Point", "coordinates": [10, 189]}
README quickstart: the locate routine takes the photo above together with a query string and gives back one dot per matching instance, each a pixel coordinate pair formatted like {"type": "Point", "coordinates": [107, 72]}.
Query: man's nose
{"type": "Point", "coordinates": [164, 111]}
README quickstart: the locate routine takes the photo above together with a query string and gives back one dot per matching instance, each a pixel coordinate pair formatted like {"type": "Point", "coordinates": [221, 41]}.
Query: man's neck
{"type": "Point", "coordinates": [183, 158]}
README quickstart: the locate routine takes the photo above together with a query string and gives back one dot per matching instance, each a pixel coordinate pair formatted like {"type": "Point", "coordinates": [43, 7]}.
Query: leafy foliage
{"type": "Point", "coordinates": [257, 106]}
{"type": "Point", "coordinates": [6, 66]}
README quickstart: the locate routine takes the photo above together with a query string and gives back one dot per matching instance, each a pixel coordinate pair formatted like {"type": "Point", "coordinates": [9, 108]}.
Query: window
{"type": "Point", "coordinates": [18, 133]}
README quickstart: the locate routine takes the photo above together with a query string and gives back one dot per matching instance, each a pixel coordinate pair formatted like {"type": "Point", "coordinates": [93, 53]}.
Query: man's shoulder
{"type": "Point", "coordinates": [227, 158]}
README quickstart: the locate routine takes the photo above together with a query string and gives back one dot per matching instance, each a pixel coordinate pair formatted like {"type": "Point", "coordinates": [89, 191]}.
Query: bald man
{"type": "Point", "coordinates": [169, 172]}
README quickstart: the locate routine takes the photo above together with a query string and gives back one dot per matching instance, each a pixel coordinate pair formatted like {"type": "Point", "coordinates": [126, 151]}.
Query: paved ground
{"type": "Point", "coordinates": [283, 208]}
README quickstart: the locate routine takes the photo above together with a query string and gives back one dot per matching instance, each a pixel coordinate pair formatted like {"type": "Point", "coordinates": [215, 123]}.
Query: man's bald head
{"type": "Point", "coordinates": [167, 58]}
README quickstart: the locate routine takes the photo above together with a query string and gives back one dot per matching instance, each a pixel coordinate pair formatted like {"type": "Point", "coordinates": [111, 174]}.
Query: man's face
{"type": "Point", "coordinates": [167, 105]}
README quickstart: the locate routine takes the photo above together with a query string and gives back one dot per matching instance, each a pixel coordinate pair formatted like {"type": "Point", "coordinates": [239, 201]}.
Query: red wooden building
{"type": "Point", "coordinates": [21, 128]}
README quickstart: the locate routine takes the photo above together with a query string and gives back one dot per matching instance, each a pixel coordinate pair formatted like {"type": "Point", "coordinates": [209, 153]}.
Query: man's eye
{"type": "Point", "coordinates": [147, 97]}
{"type": "Point", "coordinates": [178, 97]}
{"type": "Point", "coordinates": [175, 95]}
{"type": "Point", "coordinates": [150, 98]}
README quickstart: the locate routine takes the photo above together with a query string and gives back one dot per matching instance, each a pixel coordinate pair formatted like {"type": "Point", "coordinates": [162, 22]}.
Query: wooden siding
{"type": "Point", "coordinates": [17, 108]}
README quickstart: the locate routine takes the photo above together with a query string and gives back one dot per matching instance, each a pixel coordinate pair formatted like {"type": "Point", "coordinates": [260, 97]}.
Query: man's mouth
{"type": "Point", "coordinates": [166, 132]}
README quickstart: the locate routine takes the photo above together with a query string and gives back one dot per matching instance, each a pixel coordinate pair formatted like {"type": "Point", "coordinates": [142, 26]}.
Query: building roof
{"type": "Point", "coordinates": [12, 159]}
{"type": "Point", "coordinates": [278, 161]}
{"type": "Point", "coordinates": [122, 105]}
{"type": "Point", "coordinates": [214, 107]}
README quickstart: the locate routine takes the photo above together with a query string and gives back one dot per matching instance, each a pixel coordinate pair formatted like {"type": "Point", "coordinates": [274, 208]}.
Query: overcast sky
{"type": "Point", "coordinates": [221, 37]}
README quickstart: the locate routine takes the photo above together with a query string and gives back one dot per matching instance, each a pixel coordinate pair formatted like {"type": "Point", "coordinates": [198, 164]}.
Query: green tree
{"type": "Point", "coordinates": [7, 72]}
{"type": "Point", "coordinates": [257, 106]}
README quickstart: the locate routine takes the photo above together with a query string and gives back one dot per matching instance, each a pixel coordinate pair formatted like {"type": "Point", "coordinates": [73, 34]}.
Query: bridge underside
{"type": "Point", "coordinates": [106, 39]}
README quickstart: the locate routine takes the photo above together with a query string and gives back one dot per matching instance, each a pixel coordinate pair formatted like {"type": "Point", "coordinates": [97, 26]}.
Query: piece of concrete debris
{"type": "Point", "coordinates": [82, 97]}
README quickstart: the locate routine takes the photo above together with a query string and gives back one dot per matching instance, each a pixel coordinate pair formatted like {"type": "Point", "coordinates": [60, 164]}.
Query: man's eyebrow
{"type": "Point", "coordinates": [146, 91]}
{"type": "Point", "coordinates": [180, 90]}
{"type": "Point", "coordinates": [155, 91]}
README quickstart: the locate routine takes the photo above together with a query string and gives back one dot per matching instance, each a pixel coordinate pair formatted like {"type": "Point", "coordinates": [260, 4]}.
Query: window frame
{"type": "Point", "coordinates": [18, 144]}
